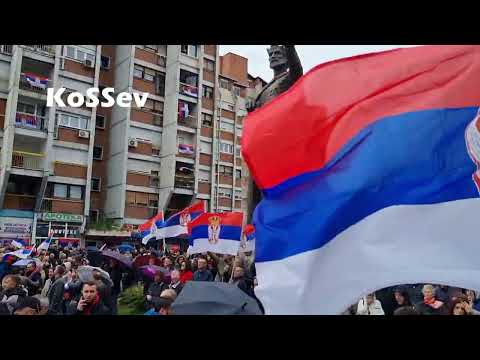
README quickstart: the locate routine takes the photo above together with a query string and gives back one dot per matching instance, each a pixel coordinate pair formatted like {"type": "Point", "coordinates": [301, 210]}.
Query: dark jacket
{"type": "Point", "coordinates": [116, 277]}
{"type": "Point", "coordinates": [204, 275]}
{"type": "Point", "coordinates": [55, 297]}
{"type": "Point", "coordinates": [10, 297]}
{"type": "Point", "coordinates": [245, 285]}
{"type": "Point", "coordinates": [424, 309]}
{"type": "Point", "coordinates": [155, 289]}
{"type": "Point", "coordinates": [98, 309]}
{"type": "Point", "coordinates": [5, 269]}
{"type": "Point", "coordinates": [177, 287]}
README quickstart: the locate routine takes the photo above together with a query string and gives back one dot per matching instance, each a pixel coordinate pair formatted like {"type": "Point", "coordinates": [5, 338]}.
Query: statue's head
{"type": "Point", "coordinates": [277, 56]}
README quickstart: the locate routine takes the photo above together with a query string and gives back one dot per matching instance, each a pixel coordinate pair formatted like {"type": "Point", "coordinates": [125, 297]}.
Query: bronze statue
{"type": "Point", "coordinates": [287, 69]}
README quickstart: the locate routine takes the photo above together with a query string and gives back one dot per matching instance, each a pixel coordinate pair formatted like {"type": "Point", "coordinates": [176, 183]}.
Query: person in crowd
{"type": "Point", "coordinates": [186, 273]}
{"type": "Point", "coordinates": [430, 304]}
{"type": "Point", "coordinates": [447, 294]}
{"type": "Point", "coordinates": [6, 266]}
{"type": "Point", "coordinates": [243, 284]}
{"type": "Point", "coordinates": [27, 305]}
{"type": "Point", "coordinates": [12, 292]}
{"type": "Point", "coordinates": [388, 300]}
{"type": "Point", "coordinates": [402, 298]}
{"type": "Point", "coordinates": [175, 283]}
{"type": "Point", "coordinates": [56, 291]}
{"type": "Point", "coordinates": [472, 299]}
{"type": "Point", "coordinates": [44, 304]}
{"type": "Point", "coordinates": [161, 306]}
{"type": "Point", "coordinates": [405, 310]}
{"type": "Point", "coordinates": [169, 294]}
{"type": "Point", "coordinates": [89, 302]}
{"type": "Point", "coordinates": [116, 277]}
{"type": "Point", "coordinates": [72, 287]}
{"type": "Point", "coordinates": [202, 274]}
{"type": "Point", "coordinates": [370, 305]}
{"type": "Point", "coordinates": [53, 261]}
{"type": "Point", "coordinates": [156, 287]}
{"type": "Point", "coordinates": [212, 266]}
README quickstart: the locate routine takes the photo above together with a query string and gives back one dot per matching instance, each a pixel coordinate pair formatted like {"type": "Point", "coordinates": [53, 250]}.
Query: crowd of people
{"type": "Point", "coordinates": [68, 281]}
{"type": "Point", "coordinates": [418, 299]}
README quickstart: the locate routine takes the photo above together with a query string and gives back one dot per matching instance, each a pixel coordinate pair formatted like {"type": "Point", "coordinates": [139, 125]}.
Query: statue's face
{"type": "Point", "coordinates": [276, 56]}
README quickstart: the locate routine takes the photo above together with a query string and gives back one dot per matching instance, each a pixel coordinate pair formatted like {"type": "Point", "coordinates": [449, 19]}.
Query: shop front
{"type": "Point", "coordinates": [15, 225]}
{"type": "Point", "coordinates": [66, 229]}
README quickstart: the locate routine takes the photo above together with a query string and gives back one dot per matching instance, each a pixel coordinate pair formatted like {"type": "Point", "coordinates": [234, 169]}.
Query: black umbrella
{"type": "Point", "coordinates": [122, 259]}
{"type": "Point", "coordinates": [214, 298]}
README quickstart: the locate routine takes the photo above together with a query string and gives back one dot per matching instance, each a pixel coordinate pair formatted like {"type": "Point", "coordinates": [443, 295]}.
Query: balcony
{"type": "Point", "coordinates": [189, 90]}
{"type": "Point", "coordinates": [186, 150]}
{"type": "Point", "coordinates": [19, 202]}
{"type": "Point", "coordinates": [63, 206]}
{"type": "Point", "coordinates": [139, 212]}
{"type": "Point", "coordinates": [6, 49]}
{"type": "Point", "coordinates": [48, 50]}
{"type": "Point", "coordinates": [30, 121]}
{"type": "Point", "coordinates": [34, 82]}
{"type": "Point", "coordinates": [187, 121]}
{"type": "Point", "coordinates": [185, 181]}
{"type": "Point", "coordinates": [27, 160]}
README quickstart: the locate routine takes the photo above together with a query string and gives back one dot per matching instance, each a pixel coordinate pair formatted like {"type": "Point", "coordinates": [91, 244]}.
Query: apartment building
{"type": "Point", "coordinates": [67, 169]}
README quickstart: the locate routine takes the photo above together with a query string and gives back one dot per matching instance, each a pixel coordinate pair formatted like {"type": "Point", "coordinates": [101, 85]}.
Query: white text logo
{"type": "Point", "coordinates": [76, 99]}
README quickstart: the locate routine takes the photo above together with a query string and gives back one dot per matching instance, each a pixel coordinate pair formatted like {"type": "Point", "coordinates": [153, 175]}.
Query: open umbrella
{"type": "Point", "coordinates": [85, 274]}
{"type": "Point", "coordinates": [122, 259]}
{"type": "Point", "coordinates": [214, 298]}
{"type": "Point", "coordinates": [126, 248]}
{"type": "Point", "coordinates": [143, 260]}
{"type": "Point", "coordinates": [150, 271]}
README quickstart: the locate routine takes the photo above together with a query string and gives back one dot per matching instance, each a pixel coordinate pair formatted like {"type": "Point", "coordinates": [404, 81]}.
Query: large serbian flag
{"type": "Point", "coordinates": [216, 232]}
{"type": "Point", "coordinates": [176, 224]}
{"type": "Point", "coordinates": [367, 169]}
{"type": "Point", "coordinates": [148, 230]}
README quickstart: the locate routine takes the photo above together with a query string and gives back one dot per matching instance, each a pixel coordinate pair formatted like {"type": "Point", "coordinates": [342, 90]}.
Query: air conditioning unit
{"type": "Point", "coordinates": [88, 63]}
{"type": "Point", "coordinates": [84, 134]}
{"type": "Point", "coordinates": [132, 143]}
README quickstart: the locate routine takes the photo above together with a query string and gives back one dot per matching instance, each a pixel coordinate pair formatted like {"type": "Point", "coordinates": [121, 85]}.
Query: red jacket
{"type": "Point", "coordinates": [186, 276]}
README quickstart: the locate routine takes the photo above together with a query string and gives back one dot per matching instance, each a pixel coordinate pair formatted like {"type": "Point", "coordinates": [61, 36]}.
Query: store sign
{"type": "Point", "coordinates": [62, 217]}
{"type": "Point", "coordinates": [10, 226]}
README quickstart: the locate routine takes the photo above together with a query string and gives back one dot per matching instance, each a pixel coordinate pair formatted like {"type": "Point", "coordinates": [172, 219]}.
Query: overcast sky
{"type": "Point", "coordinates": [310, 55]}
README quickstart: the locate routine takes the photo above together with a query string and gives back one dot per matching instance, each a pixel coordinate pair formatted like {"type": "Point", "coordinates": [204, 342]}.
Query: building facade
{"type": "Point", "coordinates": [69, 169]}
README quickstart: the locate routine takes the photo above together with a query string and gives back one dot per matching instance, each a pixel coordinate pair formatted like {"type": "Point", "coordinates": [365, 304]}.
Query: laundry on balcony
{"type": "Point", "coordinates": [186, 149]}
{"type": "Point", "coordinates": [189, 90]}
{"type": "Point", "coordinates": [183, 110]}
{"type": "Point", "coordinates": [27, 120]}
{"type": "Point", "coordinates": [36, 81]}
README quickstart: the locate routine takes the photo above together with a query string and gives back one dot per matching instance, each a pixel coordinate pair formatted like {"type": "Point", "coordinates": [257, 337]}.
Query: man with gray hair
{"type": "Point", "coordinates": [175, 283]}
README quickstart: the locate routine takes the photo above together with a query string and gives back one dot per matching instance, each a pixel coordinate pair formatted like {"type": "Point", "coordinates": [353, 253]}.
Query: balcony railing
{"type": "Point", "coordinates": [30, 121]}
{"type": "Point", "coordinates": [188, 121]}
{"type": "Point", "coordinates": [27, 160]}
{"type": "Point", "coordinates": [42, 49]}
{"type": "Point", "coordinates": [6, 49]}
{"type": "Point", "coordinates": [19, 201]}
{"type": "Point", "coordinates": [184, 181]}
{"type": "Point", "coordinates": [34, 82]}
{"type": "Point", "coordinates": [189, 90]}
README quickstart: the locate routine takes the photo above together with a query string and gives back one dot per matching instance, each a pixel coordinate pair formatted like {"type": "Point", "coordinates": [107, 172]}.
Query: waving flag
{"type": "Point", "coordinates": [46, 244]}
{"type": "Point", "coordinates": [36, 80]}
{"type": "Point", "coordinates": [22, 253]}
{"type": "Point", "coordinates": [176, 224]}
{"type": "Point", "coordinates": [218, 233]}
{"type": "Point", "coordinates": [186, 149]}
{"type": "Point", "coordinates": [374, 186]}
{"type": "Point", "coordinates": [17, 244]}
{"type": "Point", "coordinates": [148, 230]}
{"type": "Point", "coordinates": [248, 239]}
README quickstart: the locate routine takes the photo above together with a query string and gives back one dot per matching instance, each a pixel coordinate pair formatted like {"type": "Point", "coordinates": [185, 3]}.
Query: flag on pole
{"type": "Point", "coordinates": [148, 229]}
{"type": "Point", "coordinates": [248, 239]}
{"type": "Point", "coordinates": [22, 253]}
{"type": "Point", "coordinates": [375, 186]}
{"type": "Point", "coordinates": [219, 233]}
{"type": "Point", "coordinates": [46, 244]}
{"type": "Point", "coordinates": [176, 224]}
{"type": "Point", "coordinates": [37, 81]}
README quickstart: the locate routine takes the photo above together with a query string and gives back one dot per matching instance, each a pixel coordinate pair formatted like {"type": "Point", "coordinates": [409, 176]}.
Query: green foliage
{"type": "Point", "coordinates": [104, 225]}
{"type": "Point", "coordinates": [133, 298]}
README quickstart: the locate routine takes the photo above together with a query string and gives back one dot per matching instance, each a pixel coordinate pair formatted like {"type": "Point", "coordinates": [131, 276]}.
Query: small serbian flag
{"type": "Point", "coordinates": [46, 244]}
{"type": "Point", "coordinates": [216, 232]}
{"type": "Point", "coordinates": [148, 229]}
{"type": "Point", "coordinates": [248, 239]}
{"type": "Point", "coordinates": [36, 80]}
{"type": "Point", "coordinates": [176, 224]}
{"type": "Point", "coordinates": [17, 244]}
{"type": "Point", "coordinates": [22, 253]}
{"type": "Point", "coordinates": [185, 149]}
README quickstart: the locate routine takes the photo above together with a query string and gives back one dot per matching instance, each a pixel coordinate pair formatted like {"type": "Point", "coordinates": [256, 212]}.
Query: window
{"type": "Point", "coordinates": [207, 120]}
{"type": "Point", "coordinates": [149, 75]}
{"type": "Point", "coordinates": [225, 170]}
{"type": "Point", "coordinates": [207, 92]}
{"type": "Point", "coordinates": [79, 53]}
{"type": "Point", "coordinates": [153, 200]}
{"type": "Point", "coordinates": [205, 147]}
{"type": "Point", "coordinates": [130, 198]}
{"type": "Point", "coordinates": [151, 47]}
{"type": "Point", "coordinates": [96, 184]}
{"type": "Point", "coordinates": [155, 151]}
{"type": "Point", "coordinates": [238, 151]}
{"type": "Point", "coordinates": [100, 122]}
{"type": "Point", "coordinates": [226, 126]}
{"type": "Point", "coordinates": [226, 148]}
{"type": "Point", "coordinates": [154, 106]}
{"type": "Point", "coordinates": [75, 192]}
{"type": "Point", "coordinates": [97, 153]}
{"type": "Point", "coordinates": [160, 84]}
{"type": "Point", "coordinates": [60, 191]}
{"type": "Point", "coordinates": [154, 173]}
{"type": "Point", "coordinates": [72, 121]}
{"type": "Point", "coordinates": [191, 50]}
{"type": "Point", "coordinates": [238, 195]}
{"type": "Point", "coordinates": [225, 84]}
{"type": "Point", "coordinates": [204, 176]}
{"type": "Point", "coordinates": [94, 214]}
{"type": "Point", "coordinates": [105, 62]}
{"type": "Point", "coordinates": [138, 72]}
{"type": "Point", "coordinates": [236, 90]}
{"type": "Point", "coordinates": [209, 65]}
{"type": "Point", "coordinates": [141, 72]}
{"type": "Point", "coordinates": [226, 193]}
{"type": "Point", "coordinates": [141, 199]}
{"type": "Point", "coordinates": [238, 174]}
